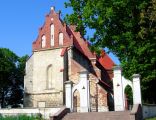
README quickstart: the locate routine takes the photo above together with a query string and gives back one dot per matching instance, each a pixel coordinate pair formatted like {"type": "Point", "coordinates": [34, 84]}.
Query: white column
{"type": "Point", "coordinates": [84, 91]}
{"type": "Point", "coordinates": [136, 89]}
{"type": "Point", "coordinates": [68, 94]}
{"type": "Point", "coordinates": [118, 90]}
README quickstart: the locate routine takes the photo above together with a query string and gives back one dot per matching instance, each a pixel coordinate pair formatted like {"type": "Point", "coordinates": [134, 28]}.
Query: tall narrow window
{"type": "Point", "coordinates": [49, 77]}
{"type": "Point", "coordinates": [43, 41]}
{"type": "Point", "coordinates": [52, 34]}
{"type": "Point", "coordinates": [60, 38]}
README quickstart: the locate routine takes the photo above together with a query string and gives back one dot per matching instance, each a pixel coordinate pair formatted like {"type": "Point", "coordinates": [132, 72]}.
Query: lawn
{"type": "Point", "coordinates": [151, 118]}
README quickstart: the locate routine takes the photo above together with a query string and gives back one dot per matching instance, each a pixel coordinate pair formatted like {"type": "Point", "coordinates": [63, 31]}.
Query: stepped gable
{"type": "Point", "coordinates": [52, 18]}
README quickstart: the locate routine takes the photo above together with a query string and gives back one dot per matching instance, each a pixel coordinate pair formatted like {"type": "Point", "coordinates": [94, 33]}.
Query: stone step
{"type": "Point", "coordinates": [98, 116]}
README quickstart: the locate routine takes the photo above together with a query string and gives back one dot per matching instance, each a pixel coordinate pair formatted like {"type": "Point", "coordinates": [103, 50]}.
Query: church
{"type": "Point", "coordinates": [62, 71]}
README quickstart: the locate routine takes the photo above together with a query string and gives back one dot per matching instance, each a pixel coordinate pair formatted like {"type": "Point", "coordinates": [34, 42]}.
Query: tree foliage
{"type": "Point", "coordinates": [127, 28]}
{"type": "Point", "coordinates": [11, 77]}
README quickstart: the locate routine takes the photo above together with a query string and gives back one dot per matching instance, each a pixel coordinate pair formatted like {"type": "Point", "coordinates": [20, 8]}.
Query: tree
{"type": "Point", "coordinates": [11, 77]}
{"type": "Point", "coordinates": [127, 28]}
{"type": "Point", "coordinates": [15, 97]}
{"type": "Point", "coordinates": [8, 62]}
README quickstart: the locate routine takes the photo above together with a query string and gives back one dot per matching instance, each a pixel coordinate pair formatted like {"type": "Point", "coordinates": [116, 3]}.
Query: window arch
{"type": "Point", "coordinates": [52, 34]}
{"type": "Point", "coordinates": [60, 38]}
{"type": "Point", "coordinates": [43, 39]}
{"type": "Point", "coordinates": [50, 82]}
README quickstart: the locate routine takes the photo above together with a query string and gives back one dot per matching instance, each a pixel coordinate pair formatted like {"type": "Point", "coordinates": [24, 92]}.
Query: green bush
{"type": "Point", "coordinates": [21, 117]}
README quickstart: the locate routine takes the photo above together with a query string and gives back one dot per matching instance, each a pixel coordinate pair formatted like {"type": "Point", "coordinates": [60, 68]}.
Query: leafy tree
{"type": "Point", "coordinates": [11, 77]}
{"type": "Point", "coordinates": [15, 96]}
{"type": "Point", "coordinates": [127, 28]}
{"type": "Point", "coordinates": [8, 62]}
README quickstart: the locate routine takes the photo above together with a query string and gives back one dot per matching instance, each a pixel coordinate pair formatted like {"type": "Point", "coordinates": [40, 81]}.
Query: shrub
{"type": "Point", "coordinates": [21, 117]}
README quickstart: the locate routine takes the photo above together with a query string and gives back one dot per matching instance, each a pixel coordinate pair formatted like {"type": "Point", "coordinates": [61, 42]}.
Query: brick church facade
{"type": "Point", "coordinates": [61, 54]}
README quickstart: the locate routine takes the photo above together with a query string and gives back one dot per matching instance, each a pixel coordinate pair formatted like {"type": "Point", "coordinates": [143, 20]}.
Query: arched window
{"type": "Point", "coordinates": [52, 34]}
{"type": "Point", "coordinates": [43, 41]}
{"type": "Point", "coordinates": [50, 83]}
{"type": "Point", "coordinates": [60, 38]}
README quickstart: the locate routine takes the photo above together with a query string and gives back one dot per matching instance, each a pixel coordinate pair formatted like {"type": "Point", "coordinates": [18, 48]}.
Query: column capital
{"type": "Point", "coordinates": [83, 72]}
{"type": "Point", "coordinates": [117, 67]}
{"type": "Point", "coordinates": [136, 76]}
{"type": "Point", "coordinates": [68, 82]}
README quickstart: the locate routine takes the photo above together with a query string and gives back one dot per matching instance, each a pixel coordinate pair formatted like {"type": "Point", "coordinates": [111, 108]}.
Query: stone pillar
{"type": "Point", "coordinates": [136, 89]}
{"type": "Point", "coordinates": [84, 92]}
{"type": "Point", "coordinates": [119, 101]}
{"type": "Point", "coordinates": [68, 94]}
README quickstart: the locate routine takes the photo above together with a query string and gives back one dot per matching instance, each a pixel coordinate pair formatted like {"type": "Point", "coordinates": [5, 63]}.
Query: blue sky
{"type": "Point", "coordinates": [21, 19]}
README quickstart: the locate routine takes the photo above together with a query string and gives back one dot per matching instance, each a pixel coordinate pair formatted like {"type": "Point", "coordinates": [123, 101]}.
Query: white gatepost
{"type": "Point", "coordinates": [136, 89]}
{"type": "Point", "coordinates": [84, 92]}
{"type": "Point", "coordinates": [68, 94]}
{"type": "Point", "coordinates": [119, 102]}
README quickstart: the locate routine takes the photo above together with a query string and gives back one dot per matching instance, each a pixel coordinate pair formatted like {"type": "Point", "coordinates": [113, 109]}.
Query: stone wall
{"type": "Point", "coordinates": [28, 78]}
{"type": "Point", "coordinates": [36, 88]}
{"type": "Point", "coordinates": [149, 110]}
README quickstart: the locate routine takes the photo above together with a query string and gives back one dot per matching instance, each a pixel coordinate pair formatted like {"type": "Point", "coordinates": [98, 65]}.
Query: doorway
{"type": "Point", "coordinates": [76, 101]}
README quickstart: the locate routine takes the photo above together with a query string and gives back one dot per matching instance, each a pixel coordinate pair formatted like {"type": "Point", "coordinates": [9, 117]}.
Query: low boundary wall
{"type": "Point", "coordinates": [45, 112]}
{"type": "Point", "coordinates": [149, 110]}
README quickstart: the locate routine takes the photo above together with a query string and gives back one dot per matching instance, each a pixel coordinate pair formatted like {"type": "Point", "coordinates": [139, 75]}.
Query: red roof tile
{"type": "Point", "coordinates": [81, 44]}
{"type": "Point", "coordinates": [106, 61]}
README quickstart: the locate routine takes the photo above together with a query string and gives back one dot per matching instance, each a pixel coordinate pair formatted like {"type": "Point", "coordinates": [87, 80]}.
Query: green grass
{"type": "Point", "coordinates": [151, 118]}
{"type": "Point", "coordinates": [21, 117]}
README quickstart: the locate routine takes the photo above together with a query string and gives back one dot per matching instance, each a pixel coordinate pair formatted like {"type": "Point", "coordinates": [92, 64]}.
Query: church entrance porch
{"type": "Point", "coordinates": [77, 97]}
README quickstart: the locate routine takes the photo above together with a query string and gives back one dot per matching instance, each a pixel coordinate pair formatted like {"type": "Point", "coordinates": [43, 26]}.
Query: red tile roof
{"type": "Point", "coordinates": [106, 61]}
{"type": "Point", "coordinates": [81, 44]}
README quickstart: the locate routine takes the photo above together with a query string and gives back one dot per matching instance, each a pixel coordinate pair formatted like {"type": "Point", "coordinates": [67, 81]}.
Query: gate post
{"type": "Point", "coordinates": [68, 94]}
{"type": "Point", "coordinates": [84, 92]}
{"type": "Point", "coordinates": [136, 89]}
{"type": "Point", "coordinates": [119, 101]}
